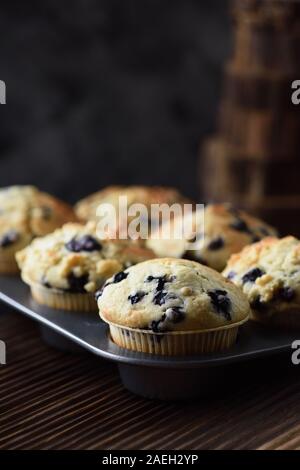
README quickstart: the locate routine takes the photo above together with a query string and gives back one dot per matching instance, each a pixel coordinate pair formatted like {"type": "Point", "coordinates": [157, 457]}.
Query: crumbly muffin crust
{"type": "Point", "coordinates": [25, 213]}
{"type": "Point", "coordinates": [171, 295]}
{"type": "Point", "coordinates": [268, 272]}
{"type": "Point", "coordinates": [74, 259]}
{"type": "Point", "coordinates": [87, 207]}
{"type": "Point", "coordinates": [226, 231]}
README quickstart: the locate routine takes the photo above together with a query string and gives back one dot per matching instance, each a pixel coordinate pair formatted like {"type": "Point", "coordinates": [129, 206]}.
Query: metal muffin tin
{"type": "Point", "coordinates": [162, 377]}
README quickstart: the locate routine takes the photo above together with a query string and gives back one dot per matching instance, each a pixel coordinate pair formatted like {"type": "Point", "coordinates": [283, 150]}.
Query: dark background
{"type": "Point", "coordinates": [109, 91]}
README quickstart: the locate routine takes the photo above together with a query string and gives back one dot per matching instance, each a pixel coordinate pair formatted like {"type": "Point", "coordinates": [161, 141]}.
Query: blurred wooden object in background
{"type": "Point", "coordinates": [253, 160]}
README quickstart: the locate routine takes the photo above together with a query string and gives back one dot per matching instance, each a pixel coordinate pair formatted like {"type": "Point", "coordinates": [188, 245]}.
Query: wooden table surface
{"type": "Point", "coordinates": [55, 400]}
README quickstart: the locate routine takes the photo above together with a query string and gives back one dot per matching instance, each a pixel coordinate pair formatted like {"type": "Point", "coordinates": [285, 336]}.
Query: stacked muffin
{"type": "Point", "coordinates": [258, 127]}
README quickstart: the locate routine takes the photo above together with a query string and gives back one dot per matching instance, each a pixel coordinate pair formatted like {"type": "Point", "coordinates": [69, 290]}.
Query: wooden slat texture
{"type": "Point", "coordinates": [55, 400]}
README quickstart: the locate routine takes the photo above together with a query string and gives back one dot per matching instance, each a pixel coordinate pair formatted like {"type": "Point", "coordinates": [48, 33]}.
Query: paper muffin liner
{"type": "Point", "coordinates": [8, 264]}
{"type": "Point", "coordinates": [176, 342]}
{"type": "Point", "coordinates": [282, 320]}
{"type": "Point", "coordinates": [55, 298]}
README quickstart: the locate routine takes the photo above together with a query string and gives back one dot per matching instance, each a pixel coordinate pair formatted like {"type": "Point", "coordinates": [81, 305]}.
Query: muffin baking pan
{"type": "Point", "coordinates": [148, 375]}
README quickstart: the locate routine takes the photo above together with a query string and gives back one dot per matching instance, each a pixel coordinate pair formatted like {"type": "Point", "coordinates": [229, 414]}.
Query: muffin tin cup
{"type": "Point", "coordinates": [154, 375]}
{"type": "Point", "coordinates": [57, 341]}
{"type": "Point", "coordinates": [63, 300]}
{"type": "Point", "coordinates": [175, 343]}
{"type": "Point", "coordinates": [174, 385]}
{"type": "Point", "coordinates": [286, 321]}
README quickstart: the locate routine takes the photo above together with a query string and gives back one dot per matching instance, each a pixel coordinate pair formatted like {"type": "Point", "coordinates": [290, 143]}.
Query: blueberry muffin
{"type": "Point", "coordinates": [172, 306]}
{"type": "Point", "coordinates": [222, 231]}
{"type": "Point", "coordinates": [269, 274]}
{"type": "Point", "coordinates": [86, 209]}
{"type": "Point", "coordinates": [66, 267]}
{"type": "Point", "coordinates": [25, 213]}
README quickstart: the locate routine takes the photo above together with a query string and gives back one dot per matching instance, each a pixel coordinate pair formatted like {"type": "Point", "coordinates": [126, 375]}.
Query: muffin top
{"type": "Point", "coordinates": [74, 259]}
{"type": "Point", "coordinates": [221, 231]}
{"type": "Point", "coordinates": [171, 294]}
{"type": "Point", "coordinates": [269, 274]}
{"type": "Point", "coordinates": [147, 195]}
{"type": "Point", "coordinates": [26, 212]}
